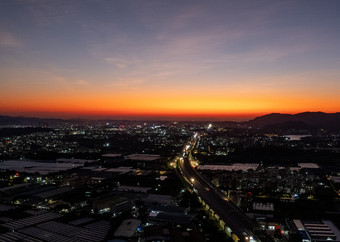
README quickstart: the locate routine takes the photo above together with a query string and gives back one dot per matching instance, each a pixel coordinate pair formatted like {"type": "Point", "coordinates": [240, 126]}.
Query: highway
{"type": "Point", "coordinates": [228, 212]}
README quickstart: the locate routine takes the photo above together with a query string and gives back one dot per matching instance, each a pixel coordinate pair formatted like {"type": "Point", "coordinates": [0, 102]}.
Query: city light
{"type": "Point", "coordinates": [183, 120]}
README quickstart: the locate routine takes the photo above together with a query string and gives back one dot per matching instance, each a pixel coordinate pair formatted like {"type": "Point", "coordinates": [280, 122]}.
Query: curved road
{"type": "Point", "coordinates": [227, 211]}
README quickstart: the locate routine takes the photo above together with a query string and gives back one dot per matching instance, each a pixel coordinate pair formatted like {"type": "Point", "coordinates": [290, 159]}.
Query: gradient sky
{"type": "Point", "coordinates": [211, 59]}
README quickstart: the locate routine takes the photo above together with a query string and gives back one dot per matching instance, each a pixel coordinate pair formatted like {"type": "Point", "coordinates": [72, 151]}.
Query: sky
{"type": "Point", "coordinates": [174, 59]}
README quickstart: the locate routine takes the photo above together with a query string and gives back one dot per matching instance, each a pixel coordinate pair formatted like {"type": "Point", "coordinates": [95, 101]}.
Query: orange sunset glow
{"type": "Point", "coordinates": [184, 61]}
{"type": "Point", "coordinates": [169, 105]}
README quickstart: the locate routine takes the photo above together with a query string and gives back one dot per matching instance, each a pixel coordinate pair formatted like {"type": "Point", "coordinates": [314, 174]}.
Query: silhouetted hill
{"type": "Point", "coordinates": [273, 118]}
{"type": "Point", "coordinates": [273, 121]}
{"type": "Point", "coordinates": [306, 120]}
{"type": "Point", "coordinates": [288, 125]}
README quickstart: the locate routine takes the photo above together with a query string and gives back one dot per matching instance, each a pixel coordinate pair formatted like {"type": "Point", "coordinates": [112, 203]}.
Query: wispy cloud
{"type": "Point", "coordinates": [81, 83]}
{"type": "Point", "coordinates": [125, 86]}
{"type": "Point", "coordinates": [9, 40]}
{"type": "Point", "coordinates": [172, 48]}
{"type": "Point", "coordinates": [127, 83]}
{"type": "Point", "coordinates": [118, 62]}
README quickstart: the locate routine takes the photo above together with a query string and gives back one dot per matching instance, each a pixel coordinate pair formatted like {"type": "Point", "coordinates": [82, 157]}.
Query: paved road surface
{"type": "Point", "coordinates": [233, 217]}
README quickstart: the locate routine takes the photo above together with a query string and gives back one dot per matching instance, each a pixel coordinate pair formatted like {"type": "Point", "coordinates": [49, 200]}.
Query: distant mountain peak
{"type": "Point", "coordinates": [314, 120]}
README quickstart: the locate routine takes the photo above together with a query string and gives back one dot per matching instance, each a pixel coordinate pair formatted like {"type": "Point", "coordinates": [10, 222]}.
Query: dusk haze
{"type": "Point", "coordinates": [170, 120]}
{"type": "Point", "coordinates": [219, 60]}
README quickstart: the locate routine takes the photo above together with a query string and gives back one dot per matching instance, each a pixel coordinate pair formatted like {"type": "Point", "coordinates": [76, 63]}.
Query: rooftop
{"type": "Point", "coordinates": [127, 228]}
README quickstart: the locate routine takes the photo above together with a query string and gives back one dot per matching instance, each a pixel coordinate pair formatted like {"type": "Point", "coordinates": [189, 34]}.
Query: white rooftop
{"type": "Point", "coordinates": [121, 169]}
{"type": "Point", "coordinates": [30, 166]}
{"type": "Point", "coordinates": [145, 157]}
{"type": "Point", "coordinates": [77, 161]}
{"type": "Point", "coordinates": [336, 179]}
{"type": "Point", "coordinates": [235, 167]}
{"type": "Point", "coordinates": [309, 165]}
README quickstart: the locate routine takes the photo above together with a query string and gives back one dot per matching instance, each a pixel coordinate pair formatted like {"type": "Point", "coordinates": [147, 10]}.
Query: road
{"type": "Point", "coordinates": [228, 212]}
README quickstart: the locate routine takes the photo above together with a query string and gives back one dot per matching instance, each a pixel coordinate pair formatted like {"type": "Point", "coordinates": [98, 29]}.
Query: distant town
{"type": "Point", "coordinates": [273, 178]}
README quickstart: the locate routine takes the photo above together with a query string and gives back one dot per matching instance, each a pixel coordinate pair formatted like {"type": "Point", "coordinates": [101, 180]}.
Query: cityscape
{"type": "Point", "coordinates": [168, 181]}
{"type": "Point", "coordinates": [156, 121]}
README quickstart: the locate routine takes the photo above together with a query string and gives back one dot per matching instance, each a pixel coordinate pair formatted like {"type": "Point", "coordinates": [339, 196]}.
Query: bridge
{"type": "Point", "coordinates": [231, 219]}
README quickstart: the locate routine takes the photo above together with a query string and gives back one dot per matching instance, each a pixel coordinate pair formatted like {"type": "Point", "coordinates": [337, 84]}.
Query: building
{"type": "Point", "coordinates": [128, 228]}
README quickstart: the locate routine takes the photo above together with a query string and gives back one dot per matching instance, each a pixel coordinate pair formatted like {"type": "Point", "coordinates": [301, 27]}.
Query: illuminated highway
{"type": "Point", "coordinates": [235, 220]}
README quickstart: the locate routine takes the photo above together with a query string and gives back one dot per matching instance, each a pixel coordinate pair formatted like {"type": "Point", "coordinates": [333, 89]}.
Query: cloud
{"type": "Point", "coordinates": [9, 40]}
{"type": "Point", "coordinates": [127, 84]}
{"type": "Point", "coordinates": [117, 62]}
{"type": "Point", "coordinates": [81, 83]}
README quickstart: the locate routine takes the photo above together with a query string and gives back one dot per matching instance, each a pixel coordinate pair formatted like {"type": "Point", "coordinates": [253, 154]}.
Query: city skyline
{"type": "Point", "coordinates": [225, 60]}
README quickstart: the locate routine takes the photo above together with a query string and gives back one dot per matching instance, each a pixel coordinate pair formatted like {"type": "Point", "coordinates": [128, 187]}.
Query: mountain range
{"type": "Point", "coordinates": [306, 120]}
{"type": "Point", "coordinates": [273, 121]}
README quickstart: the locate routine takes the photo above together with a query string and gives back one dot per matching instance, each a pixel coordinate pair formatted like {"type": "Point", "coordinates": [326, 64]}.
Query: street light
{"type": "Point", "coordinates": [192, 179]}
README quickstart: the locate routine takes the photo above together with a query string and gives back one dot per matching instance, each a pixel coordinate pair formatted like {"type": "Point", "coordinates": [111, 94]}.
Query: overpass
{"type": "Point", "coordinates": [231, 219]}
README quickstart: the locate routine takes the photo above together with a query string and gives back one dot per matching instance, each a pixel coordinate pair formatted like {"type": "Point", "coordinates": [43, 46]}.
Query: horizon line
{"type": "Point", "coordinates": [240, 117]}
